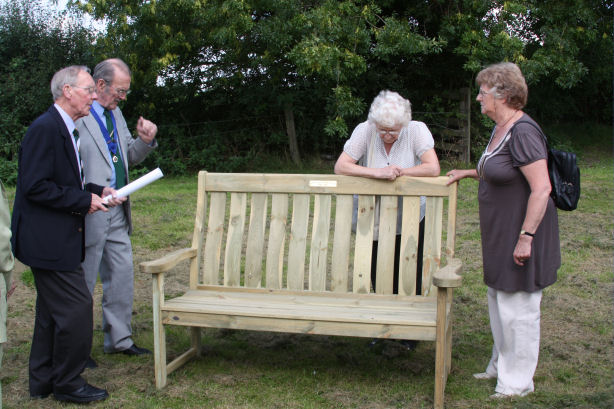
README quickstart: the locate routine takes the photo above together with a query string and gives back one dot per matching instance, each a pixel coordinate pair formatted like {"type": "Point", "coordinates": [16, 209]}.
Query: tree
{"type": "Point", "coordinates": [199, 62]}
{"type": "Point", "coordinates": [34, 43]}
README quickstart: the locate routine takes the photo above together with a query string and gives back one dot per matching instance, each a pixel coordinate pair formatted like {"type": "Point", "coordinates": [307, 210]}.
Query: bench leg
{"type": "Point", "coordinates": [449, 335]}
{"type": "Point", "coordinates": [442, 347]}
{"type": "Point", "coordinates": [159, 334]}
{"type": "Point", "coordinates": [195, 337]}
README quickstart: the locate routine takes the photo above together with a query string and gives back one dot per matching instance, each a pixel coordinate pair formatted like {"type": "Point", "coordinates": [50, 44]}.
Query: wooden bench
{"type": "Point", "coordinates": [276, 252]}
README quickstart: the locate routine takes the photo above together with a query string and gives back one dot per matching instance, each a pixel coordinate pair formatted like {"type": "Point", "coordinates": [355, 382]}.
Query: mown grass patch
{"type": "Point", "coordinates": [241, 369]}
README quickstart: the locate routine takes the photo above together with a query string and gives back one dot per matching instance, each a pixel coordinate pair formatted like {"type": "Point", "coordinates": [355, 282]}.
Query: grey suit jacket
{"type": "Point", "coordinates": [97, 165]}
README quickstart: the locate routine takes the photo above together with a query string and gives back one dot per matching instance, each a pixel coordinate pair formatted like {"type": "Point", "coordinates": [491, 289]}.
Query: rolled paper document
{"type": "Point", "coordinates": [137, 184]}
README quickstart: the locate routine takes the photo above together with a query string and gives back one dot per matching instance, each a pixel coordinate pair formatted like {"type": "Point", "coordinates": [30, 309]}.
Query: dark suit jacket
{"type": "Point", "coordinates": [50, 205]}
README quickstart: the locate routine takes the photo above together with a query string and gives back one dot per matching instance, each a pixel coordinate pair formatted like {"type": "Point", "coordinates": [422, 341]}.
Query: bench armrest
{"type": "Point", "coordinates": [165, 263]}
{"type": "Point", "coordinates": [448, 276]}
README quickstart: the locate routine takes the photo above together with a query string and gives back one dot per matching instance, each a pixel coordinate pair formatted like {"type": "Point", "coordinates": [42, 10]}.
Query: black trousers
{"type": "Point", "coordinates": [62, 337]}
{"type": "Point", "coordinates": [397, 249]}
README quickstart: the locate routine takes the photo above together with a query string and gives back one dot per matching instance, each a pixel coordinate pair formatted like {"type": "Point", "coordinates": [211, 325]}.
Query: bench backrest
{"type": "Point", "coordinates": [292, 231]}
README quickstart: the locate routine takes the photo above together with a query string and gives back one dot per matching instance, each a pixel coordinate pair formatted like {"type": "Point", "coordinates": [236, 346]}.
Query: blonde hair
{"type": "Point", "coordinates": [389, 110]}
{"type": "Point", "coordinates": [509, 82]}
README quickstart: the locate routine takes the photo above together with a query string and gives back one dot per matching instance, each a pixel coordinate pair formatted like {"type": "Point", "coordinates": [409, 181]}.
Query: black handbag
{"type": "Point", "coordinates": [564, 175]}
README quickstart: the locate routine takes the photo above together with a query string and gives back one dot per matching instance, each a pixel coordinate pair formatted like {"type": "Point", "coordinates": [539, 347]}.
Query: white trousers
{"type": "Point", "coordinates": [515, 326]}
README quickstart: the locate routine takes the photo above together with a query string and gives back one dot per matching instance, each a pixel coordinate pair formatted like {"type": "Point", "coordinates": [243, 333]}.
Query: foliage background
{"type": "Point", "coordinates": [217, 76]}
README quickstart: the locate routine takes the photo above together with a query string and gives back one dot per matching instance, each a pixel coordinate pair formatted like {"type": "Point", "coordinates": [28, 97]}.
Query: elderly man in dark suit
{"type": "Point", "coordinates": [48, 235]}
{"type": "Point", "coordinates": [108, 149]}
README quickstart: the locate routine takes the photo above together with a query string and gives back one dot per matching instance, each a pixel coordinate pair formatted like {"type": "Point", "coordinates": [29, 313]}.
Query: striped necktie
{"type": "Point", "coordinates": [116, 157]}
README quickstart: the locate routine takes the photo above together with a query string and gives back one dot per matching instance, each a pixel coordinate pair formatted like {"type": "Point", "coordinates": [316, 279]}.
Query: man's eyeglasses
{"type": "Point", "coordinates": [90, 90]}
{"type": "Point", "coordinates": [120, 91]}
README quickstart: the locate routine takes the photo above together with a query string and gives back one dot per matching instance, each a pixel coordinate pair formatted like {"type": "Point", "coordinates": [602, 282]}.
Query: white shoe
{"type": "Point", "coordinates": [499, 395]}
{"type": "Point", "coordinates": [484, 375]}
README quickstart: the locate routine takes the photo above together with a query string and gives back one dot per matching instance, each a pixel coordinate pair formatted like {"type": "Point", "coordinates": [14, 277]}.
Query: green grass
{"type": "Point", "coordinates": [241, 369]}
{"type": "Point", "coordinates": [28, 278]}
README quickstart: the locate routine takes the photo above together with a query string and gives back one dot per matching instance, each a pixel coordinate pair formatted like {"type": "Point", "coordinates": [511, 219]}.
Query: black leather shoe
{"type": "Point", "coordinates": [86, 393]}
{"type": "Point", "coordinates": [41, 396]}
{"type": "Point", "coordinates": [374, 342]}
{"type": "Point", "coordinates": [408, 344]}
{"type": "Point", "coordinates": [134, 350]}
{"type": "Point", "coordinates": [91, 364]}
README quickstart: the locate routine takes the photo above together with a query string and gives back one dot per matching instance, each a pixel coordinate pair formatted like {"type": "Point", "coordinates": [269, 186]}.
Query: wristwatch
{"type": "Point", "coordinates": [527, 233]}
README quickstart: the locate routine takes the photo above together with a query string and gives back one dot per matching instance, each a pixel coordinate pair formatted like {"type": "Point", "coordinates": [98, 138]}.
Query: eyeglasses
{"type": "Point", "coordinates": [383, 132]}
{"type": "Point", "coordinates": [121, 92]}
{"type": "Point", "coordinates": [490, 91]}
{"type": "Point", "coordinates": [90, 90]}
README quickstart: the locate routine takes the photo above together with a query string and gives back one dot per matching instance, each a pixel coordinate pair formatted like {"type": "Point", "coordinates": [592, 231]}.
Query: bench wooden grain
{"type": "Point", "coordinates": [277, 252]}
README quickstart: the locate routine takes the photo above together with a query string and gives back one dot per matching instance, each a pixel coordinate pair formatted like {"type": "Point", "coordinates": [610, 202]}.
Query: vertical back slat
{"type": "Point", "coordinates": [319, 243]}
{"type": "Point", "coordinates": [255, 240]}
{"type": "Point", "coordinates": [234, 239]}
{"type": "Point", "coordinates": [341, 244]}
{"type": "Point", "coordinates": [432, 241]}
{"type": "Point", "coordinates": [298, 242]}
{"type": "Point", "coordinates": [277, 238]}
{"type": "Point", "coordinates": [385, 244]}
{"type": "Point", "coordinates": [409, 246]}
{"type": "Point", "coordinates": [361, 279]}
{"type": "Point", "coordinates": [199, 228]}
{"type": "Point", "coordinates": [213, 243]}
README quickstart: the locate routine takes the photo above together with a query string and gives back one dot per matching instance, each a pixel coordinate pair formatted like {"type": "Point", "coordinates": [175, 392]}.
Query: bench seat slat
{"type": "Point", "coordinates": [277, 324]}
{"type": "Point", "coordinates": [302, 308]}
{"type": "Point", "coordinates": [352, 298]}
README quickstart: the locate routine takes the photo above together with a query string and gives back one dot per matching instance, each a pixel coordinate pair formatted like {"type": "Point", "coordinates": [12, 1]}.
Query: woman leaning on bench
{"type": "Point", "coordinates": [388, 145]}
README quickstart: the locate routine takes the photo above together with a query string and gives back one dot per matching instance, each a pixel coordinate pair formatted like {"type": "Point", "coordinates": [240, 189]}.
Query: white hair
{"type": "Point", "coordinates": [65, 76]}
{"type": "Point", "coordinates": [390, 110]}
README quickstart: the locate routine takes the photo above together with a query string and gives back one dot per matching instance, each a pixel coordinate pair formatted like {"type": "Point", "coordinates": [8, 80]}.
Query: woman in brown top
{"type": "Point", "coordinates": [519, 226]}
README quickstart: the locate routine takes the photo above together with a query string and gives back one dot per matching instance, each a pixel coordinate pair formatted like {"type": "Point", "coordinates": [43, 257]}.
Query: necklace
{"type": "Point", "coordinates": [498, 134]}
{"type": "Point", "coordinates": [508, 119]}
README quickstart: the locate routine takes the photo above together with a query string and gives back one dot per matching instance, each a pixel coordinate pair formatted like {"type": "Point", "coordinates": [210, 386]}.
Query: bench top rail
{"type": "Point", "coordinates": [294, 232]}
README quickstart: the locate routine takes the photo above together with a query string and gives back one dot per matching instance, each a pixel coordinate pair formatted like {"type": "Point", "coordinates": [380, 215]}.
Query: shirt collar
{"type": "Point", "coordinates": [70, 124]}
{"type": "Point", "coordinates": [98, 108]}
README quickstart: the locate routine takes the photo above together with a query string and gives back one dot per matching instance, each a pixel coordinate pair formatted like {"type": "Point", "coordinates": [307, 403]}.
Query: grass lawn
{"type": "Point", "coordinates": [241, 369]}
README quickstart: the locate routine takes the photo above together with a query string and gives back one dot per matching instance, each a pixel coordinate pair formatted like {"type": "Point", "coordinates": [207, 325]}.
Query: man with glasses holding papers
{"type": "Point", "coordinates": [47, 234]}
{"type": "Point", "coordinates": [107, 150]}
